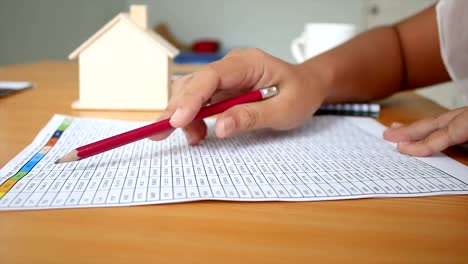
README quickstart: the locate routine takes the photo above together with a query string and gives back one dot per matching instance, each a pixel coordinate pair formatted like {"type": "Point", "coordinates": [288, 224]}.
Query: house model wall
{"type": "Point", "coordinates": [125, 66]}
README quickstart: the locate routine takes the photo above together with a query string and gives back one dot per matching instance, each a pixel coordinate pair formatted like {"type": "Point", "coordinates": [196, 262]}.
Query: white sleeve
{"type": "Point", "coordinates": [452, 21]}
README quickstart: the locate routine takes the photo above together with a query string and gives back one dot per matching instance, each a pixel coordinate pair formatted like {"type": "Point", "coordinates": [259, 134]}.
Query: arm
{"type": "Point", "coordinates": [382, 61]}
{"type": "Point", "coordinates": [373, 65]}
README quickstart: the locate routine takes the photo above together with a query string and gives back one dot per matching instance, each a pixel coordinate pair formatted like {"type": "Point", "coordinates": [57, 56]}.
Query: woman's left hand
{"type": "Point", "coordinates": [428, 136]}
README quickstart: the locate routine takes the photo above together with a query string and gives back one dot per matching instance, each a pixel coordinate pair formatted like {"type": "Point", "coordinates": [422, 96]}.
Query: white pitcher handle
{"type": "Point", "coordinates": [298, 49]}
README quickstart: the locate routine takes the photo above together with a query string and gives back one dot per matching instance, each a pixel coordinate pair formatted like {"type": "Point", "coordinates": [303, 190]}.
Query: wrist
{"type": "Point", "coordinates": [319, 74]}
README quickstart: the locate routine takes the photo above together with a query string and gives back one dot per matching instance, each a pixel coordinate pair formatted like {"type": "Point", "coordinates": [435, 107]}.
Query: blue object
{"type": "Point", "coordinates": [188, 57]}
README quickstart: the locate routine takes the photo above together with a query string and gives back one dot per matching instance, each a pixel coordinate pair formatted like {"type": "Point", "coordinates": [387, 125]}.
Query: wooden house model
{"type": "Point", "coordinates": [124, 65]}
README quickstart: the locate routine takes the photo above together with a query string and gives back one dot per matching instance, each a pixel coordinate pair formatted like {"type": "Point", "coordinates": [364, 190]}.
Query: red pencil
{"type": "Point", "coordinates": [157, 127]}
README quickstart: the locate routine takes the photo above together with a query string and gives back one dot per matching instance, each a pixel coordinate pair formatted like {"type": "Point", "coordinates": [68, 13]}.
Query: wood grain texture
{"type": "Point", "coordinates": [408, 230]}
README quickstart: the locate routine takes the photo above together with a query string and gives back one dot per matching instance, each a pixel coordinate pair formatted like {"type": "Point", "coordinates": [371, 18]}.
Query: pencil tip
{"type": "Point", "coordinates": [71, 156]}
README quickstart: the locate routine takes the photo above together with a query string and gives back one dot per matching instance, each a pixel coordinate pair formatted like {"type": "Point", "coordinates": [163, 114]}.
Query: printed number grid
{"type": "Point", "coordinates": [327, 158]}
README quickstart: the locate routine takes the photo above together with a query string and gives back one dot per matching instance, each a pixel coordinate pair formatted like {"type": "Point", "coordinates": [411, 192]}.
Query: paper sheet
{"type": "Point", "coordinates": [328, 158]}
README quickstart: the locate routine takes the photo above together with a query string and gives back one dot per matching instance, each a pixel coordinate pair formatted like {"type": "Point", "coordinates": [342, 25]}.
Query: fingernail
{"type": "Point", "coordinates": [402, 143]}
{"type": "Point", "coordinates": [179, 115]}
{"type": "Point", "coordinates": [396, 125]}
{"type": "Point", "coordinates": [189, 138]}
{"type": "Point", "coordinates": [227, 127]}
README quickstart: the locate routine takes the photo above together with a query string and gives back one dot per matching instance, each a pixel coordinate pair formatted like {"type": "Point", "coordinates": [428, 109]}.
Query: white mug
{"type": "Point", "coordinates": [320, 37]}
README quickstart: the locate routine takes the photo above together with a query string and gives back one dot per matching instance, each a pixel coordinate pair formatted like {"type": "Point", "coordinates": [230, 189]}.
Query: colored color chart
{"type": "Point", "coordinates": [8, 184]}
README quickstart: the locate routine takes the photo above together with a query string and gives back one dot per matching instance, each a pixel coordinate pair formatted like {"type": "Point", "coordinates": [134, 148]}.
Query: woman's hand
{"type": "Point", "coordinates": [428, 136]}
{"type": "Point", "coordinates": [300, 94]}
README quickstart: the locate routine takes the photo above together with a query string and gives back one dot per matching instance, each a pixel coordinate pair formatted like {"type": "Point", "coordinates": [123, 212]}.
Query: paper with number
{"type": "Point", "coordinates": [328, 158]}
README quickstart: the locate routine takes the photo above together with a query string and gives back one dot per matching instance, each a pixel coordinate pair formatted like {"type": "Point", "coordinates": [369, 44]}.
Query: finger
{"type": "Point", "coordinates": [435, 142]}
{"type": "Point", "coordinates": [164, 134]}
{"type": "Point", "coordinates": [456, 132]}
{"type": "Point", "coordinates": [239, 72]}
{"type": "Point", "coordinates": [190, 95]}
{"type": "Point", "coordinates": [169, 111]}
{"type": "Point", "coordinates": [419, 129]}
{"type": "Point", "coordinates": [414, 131]}
{"type": "Point", "coordinates": [234, 52]}
{"type": "Point", "coordinates": [240, 69]}
{"type": "Point", "coordinates": [223, 95]}
{"type": "Point", "coordinates": [242, 118]}
{"type": "Point", "coordinates": [195, 132]}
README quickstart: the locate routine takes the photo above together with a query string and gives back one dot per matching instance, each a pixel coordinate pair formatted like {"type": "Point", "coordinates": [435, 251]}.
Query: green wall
{"type": "Point", "coordinates": [33, 30]}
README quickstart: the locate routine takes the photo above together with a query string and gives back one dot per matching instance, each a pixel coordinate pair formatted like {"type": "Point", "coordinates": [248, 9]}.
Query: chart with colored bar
{"type": "Point", "coordinates": [36, 158]}
{"type": "Point", "coordinates": [328, 158]}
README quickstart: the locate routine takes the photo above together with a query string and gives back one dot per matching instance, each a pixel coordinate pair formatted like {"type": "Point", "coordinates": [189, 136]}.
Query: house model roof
{"type": "Point", "coordinates": [158, 41]}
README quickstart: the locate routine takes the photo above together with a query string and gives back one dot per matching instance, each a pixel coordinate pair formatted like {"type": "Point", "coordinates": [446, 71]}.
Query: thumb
{"type": "Point", "coordinates": [242, 118]}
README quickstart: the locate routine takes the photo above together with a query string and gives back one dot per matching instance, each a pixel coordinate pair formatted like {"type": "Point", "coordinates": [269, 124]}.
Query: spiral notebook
{"type": "Point", "coordinates": [369, 109]}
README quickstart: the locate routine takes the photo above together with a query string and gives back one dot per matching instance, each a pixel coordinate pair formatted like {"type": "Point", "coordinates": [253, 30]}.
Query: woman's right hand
{"type": "Point", "coordinates": [301, 92]}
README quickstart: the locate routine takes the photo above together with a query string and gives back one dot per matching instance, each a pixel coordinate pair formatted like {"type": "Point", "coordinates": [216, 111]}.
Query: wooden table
{"type": "Point", "coordinates": [431, 229]}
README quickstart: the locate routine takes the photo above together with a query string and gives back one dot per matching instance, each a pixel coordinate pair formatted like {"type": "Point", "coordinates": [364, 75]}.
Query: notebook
{"type": "Point", "coordinates": [365, 109]}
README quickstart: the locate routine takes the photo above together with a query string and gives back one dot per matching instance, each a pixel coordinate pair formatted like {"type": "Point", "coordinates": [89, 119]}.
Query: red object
{"type": "Point", "coordinates": [151, 129]}
{"type": "Point", "coordinates": [207, 46]}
